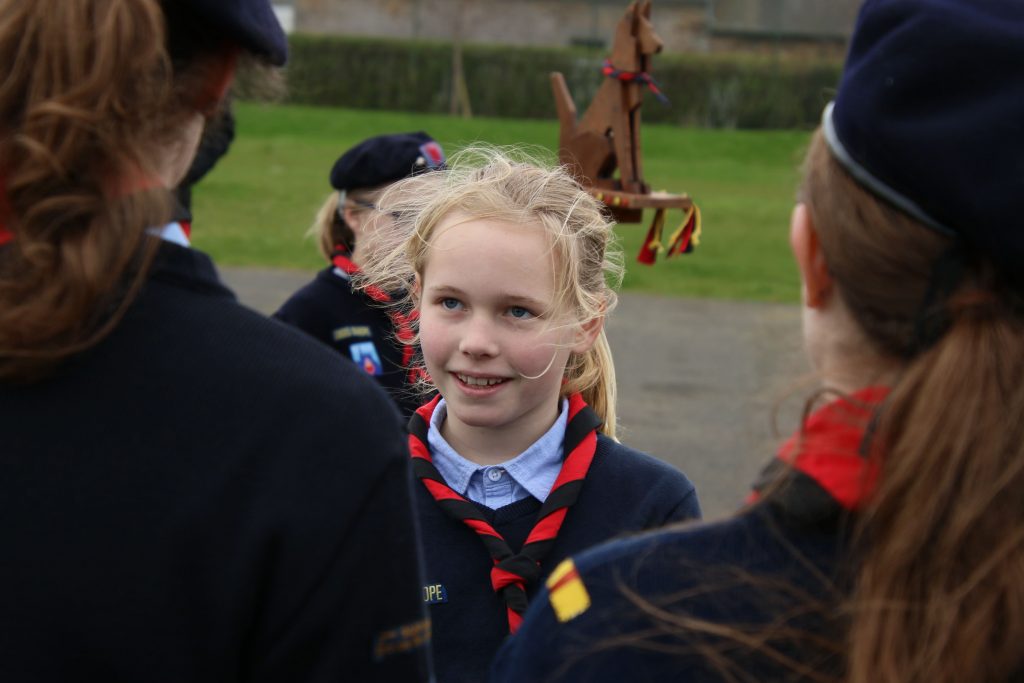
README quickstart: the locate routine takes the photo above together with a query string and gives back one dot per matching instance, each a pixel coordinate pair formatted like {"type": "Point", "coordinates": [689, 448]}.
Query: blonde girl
{"type": "Point", "coordinates": [507, 269]}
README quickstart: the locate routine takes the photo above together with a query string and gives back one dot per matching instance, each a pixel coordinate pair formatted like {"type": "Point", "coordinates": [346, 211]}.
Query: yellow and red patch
{"type": "Point", "coordinates": [568, 595]}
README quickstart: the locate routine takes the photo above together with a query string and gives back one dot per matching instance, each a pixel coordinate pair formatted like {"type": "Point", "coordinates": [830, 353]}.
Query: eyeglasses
{"type": "Point", "coordinates": [363, 204]}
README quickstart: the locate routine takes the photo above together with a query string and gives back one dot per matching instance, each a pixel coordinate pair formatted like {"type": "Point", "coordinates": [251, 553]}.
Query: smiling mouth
{"type": "Point", "coordinates": [479, 381]}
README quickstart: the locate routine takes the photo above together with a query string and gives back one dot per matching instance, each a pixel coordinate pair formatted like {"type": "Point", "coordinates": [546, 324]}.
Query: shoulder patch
{"type": "Point", "coordinates": [365, 356]}
{"type": "Point", "coordinates": [350, 331]}
{"type": "Point", "coordinates": [405, 638]}
{"type": "Point", "coordinates": [433, 155]}
{"type": "Point", "coordinates": [568, 595]}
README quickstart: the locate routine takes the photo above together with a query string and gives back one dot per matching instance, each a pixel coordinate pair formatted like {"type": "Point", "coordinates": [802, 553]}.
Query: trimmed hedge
{"type": "Point", "coordinates": [734, 91]}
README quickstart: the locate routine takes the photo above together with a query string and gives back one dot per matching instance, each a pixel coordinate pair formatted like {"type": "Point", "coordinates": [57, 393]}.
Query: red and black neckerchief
{"type": "Point", "coordinates": [182, 215]}
{"type": "Point", "coordinates": [825, 466]}
{"type": "Point", "coordinates": [642, 77]}
{"type": "Point", "coordinates": [513, 572]}
{"type": "Point", "coordinates": [402, 322]}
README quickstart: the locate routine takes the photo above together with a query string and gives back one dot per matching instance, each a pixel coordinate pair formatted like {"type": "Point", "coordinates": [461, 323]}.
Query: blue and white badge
{"type": "Point", "coordinates": [365, 355]}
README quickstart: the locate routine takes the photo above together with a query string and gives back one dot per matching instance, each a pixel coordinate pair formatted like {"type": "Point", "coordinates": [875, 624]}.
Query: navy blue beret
{"type": "Point", "coordinates": [250, 23]}
{"type": "Point", "coordinates": [386, 159]}
{"type": "Point", "coordinates": [930, 116]}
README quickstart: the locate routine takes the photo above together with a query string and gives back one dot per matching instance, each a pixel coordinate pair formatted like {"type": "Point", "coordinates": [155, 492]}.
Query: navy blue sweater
{"type": "Point", "coordinates": [206, 495]}
{"type": "Point", "coordinates": [355, 326]}
{"type": "Point", "coordinates": [764, 573]}
{"type": "Point", "coordinates": [625, 491]}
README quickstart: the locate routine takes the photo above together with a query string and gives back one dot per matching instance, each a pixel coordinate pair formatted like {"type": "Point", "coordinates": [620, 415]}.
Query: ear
{"type": "Point", "coordinates": [815, 277]}
{"type": "Point", "coordinates": [645, 9]}
{"type": "Point", "coordinates": [219, 76]}
{"type": "Point", "coordinates": [416, 290]}
{"type": "Point", "coordinates": [587, 333]}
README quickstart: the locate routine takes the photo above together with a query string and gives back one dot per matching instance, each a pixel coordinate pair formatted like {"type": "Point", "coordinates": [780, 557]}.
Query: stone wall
{"type": "Point", "coordinates": [786, 19]}
{"type": "Point", "coordinates": [805, 26]}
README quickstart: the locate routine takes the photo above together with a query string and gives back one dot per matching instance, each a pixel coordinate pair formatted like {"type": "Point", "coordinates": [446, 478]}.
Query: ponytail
{"type": "Point", "coordinates": [940, 595]}
{"type": "Point", "coordinates": [939, 591]}
{"type": "Point", "coordinates": [593, 375]}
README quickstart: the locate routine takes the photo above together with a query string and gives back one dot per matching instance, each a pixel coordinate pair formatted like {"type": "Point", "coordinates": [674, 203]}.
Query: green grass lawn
{"type": "Point", "coordinates": [255, 207]}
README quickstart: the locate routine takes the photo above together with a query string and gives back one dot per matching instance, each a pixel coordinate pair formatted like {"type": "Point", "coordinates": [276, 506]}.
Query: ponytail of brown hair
{"type": "Point", "coordinates": [939, 594]}
{"type": "Point", "coordinates": [87, 99]}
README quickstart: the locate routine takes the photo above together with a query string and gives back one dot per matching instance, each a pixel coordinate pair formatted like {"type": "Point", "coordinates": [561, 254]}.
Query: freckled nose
{"type": "Point", "coordinates": [479, 338]}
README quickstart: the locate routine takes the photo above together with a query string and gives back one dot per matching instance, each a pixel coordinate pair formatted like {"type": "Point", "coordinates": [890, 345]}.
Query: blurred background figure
{"type": "Point", "coordinates": [355, 323]}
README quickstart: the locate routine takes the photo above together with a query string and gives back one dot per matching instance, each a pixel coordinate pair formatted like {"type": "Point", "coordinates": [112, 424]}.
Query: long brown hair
{"type": "Point", "coordinates": [91, 92]}
{"type": "Point", "coordinates": [939, 593]}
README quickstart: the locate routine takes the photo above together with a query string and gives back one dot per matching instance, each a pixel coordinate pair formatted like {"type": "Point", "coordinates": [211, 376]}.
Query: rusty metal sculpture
{"type": "Point", "coordinates": [606, 138]}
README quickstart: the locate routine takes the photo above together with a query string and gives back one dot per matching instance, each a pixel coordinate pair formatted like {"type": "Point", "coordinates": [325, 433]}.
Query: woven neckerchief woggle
{"type": "Point", "coordinates": [513, 572]}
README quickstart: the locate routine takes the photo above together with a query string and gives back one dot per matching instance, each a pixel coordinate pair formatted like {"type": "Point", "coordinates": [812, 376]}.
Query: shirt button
{"type": "Point", "coordinates": [495, 473]}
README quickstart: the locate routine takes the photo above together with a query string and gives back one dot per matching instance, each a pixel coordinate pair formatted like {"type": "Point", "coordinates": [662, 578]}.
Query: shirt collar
{"type": "Point", "coordinates": [535, 469]}
{"type": "Point", "coordinates": [172, 232]}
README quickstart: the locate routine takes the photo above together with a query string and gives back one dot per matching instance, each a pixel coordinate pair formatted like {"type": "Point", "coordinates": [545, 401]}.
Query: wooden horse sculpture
{"type": "Point", "coordinates": [607, 137]}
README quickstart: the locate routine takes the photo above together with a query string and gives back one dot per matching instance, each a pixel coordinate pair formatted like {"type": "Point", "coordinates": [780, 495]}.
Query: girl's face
{"type": "Point", "coordinates": [492, 345]}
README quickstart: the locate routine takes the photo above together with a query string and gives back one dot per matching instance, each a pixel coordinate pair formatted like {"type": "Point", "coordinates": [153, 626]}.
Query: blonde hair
{"type": "Point", "coordinates": [330, 229]}
{"type": "Point", "coordinates": [511, 186]}
{"type": "Point", "coordinates": [92, 93]}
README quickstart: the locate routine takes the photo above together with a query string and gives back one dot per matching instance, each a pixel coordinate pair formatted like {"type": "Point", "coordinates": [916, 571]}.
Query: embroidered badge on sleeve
{"type": "Point", "coordinates": [402, 639]}
{"type": "Point", "coordinates": [365, 356]}
{"type": "Point", "coordinates": [568, 595]}
{"type": "Point", "coordinates": [352, 332]}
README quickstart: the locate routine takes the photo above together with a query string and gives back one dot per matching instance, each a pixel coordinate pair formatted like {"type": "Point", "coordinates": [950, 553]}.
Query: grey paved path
{"type": "Point", "coordinates": [699, 380]}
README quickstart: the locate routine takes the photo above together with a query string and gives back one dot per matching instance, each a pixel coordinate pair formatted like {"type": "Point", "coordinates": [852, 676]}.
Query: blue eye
{"type": "Point", "coordinates": [519, 313]}
{"type": "Point", "coordinates": [450, 304]}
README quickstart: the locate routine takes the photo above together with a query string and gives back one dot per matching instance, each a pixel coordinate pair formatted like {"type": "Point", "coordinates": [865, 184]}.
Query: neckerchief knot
{"type": "Point", "coordinates": [513, 573]}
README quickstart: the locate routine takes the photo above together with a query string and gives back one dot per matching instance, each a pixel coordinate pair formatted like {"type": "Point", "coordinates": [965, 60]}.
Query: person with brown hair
{"type": "Point", "coordinates": [886, 542]}
{"type": "Point", "coordinates": [175, 502]}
